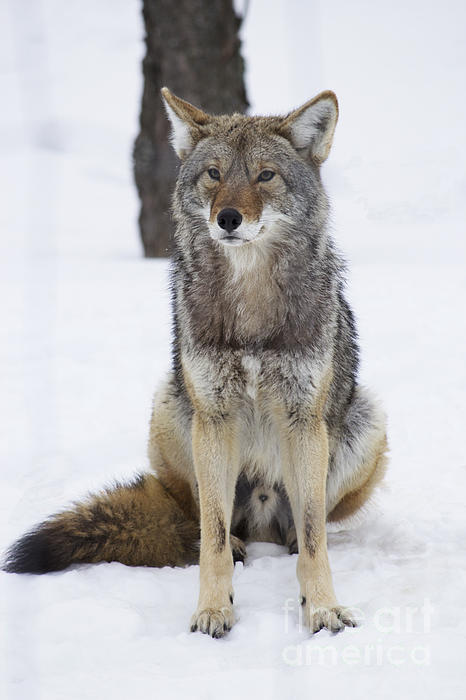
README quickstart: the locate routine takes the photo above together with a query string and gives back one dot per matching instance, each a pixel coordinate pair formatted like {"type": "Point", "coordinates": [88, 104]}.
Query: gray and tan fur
{"type": "Point", "coordinates": [263, 397]}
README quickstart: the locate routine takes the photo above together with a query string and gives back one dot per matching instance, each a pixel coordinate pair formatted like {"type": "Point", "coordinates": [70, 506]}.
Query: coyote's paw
{"type": "Point", "coordinates": [238, 549]}
{"type": "Point", "coordinates": [216, 622]}
{"type": "Point", "coordinates": [335, 619]}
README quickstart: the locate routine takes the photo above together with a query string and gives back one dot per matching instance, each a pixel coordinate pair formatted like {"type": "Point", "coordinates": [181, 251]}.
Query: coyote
{"type": "Point", "coordinates": [261, 430]}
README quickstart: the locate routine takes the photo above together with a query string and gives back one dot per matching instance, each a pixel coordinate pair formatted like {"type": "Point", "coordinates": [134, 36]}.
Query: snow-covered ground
{"type": "Point", "coordinates": [85, 333]}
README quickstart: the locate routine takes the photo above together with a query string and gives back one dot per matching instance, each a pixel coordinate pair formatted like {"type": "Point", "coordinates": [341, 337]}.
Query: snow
{"type": "Point", "coordinates": [85, 336]}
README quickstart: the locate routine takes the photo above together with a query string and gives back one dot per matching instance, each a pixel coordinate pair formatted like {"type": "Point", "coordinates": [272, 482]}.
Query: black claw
{"type": "Point", "coordinates": [193, 628]}
{"type": "Point", "coordinates": [303, 600]}
{"type": "Point", "coordinates": [348, 622]}
{"type": "Point", "coordinates": [231, 598]}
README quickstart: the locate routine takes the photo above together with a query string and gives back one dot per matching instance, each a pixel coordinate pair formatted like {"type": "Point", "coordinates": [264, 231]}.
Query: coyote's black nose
{"type": "Point", "coordinates": [229, 219]}
{"type": "Point", "coordinates": [263, 497]}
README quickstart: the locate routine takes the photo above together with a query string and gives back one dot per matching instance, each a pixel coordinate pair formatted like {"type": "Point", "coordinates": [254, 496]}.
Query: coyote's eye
{"type": "Point", "coordinates": [265, 176]}
{"type": "Point", "coordinates": [214, 173]}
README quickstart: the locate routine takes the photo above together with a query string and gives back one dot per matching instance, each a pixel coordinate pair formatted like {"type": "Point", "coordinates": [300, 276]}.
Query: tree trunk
{"type": "Point", "coordinates": [192, 47]}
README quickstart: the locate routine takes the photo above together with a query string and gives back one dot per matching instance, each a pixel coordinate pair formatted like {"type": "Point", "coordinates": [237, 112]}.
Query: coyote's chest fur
{"type": "Point", "coordinates": [253, 386]}
{"type": "Point", "coordinates": [260, 447]}
{"type": "Point", "coordinates": [237, 302]}
{"type": "Point", "coordinates": [255, 303]}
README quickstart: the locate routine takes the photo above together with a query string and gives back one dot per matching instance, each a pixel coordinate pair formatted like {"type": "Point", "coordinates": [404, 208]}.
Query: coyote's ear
{"type": "Point", "coordinates": [310, 128]}
{"type": "Point", "coordinates": [187, 122]}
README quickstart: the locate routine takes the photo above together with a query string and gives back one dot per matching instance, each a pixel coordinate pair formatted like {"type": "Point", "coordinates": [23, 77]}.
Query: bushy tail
{"type": "Point", "coordinates": [139, 524]}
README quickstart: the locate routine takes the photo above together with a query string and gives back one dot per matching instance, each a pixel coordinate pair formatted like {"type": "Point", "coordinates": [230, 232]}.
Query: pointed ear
{"type": "Point", "coordinates": [186, 121]}
{"type": "Point", "coordinates": [310, 128]}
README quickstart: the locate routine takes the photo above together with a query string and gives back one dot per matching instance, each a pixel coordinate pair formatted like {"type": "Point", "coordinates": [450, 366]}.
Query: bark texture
{"type": "Point", "coordinates": [192, 47]}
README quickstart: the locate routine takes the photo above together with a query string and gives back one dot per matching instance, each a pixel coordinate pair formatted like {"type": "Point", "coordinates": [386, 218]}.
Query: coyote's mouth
{"type": "Point", "coordinates": [232, 240]}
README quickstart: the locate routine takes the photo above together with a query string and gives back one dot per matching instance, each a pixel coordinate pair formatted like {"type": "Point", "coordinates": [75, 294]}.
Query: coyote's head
{"type": "Point", "coordinates": [241, 176]}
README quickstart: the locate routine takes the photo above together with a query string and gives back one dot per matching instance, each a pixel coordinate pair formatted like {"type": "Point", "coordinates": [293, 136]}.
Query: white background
{"type": "Point", "coordinates": [85, 332]}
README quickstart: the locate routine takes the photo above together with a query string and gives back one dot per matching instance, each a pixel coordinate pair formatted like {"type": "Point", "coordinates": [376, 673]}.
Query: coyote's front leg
{"type": "Point", "coordinates": [216, 463]}
{"type": "Point", "coordinates": [305, 464]}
